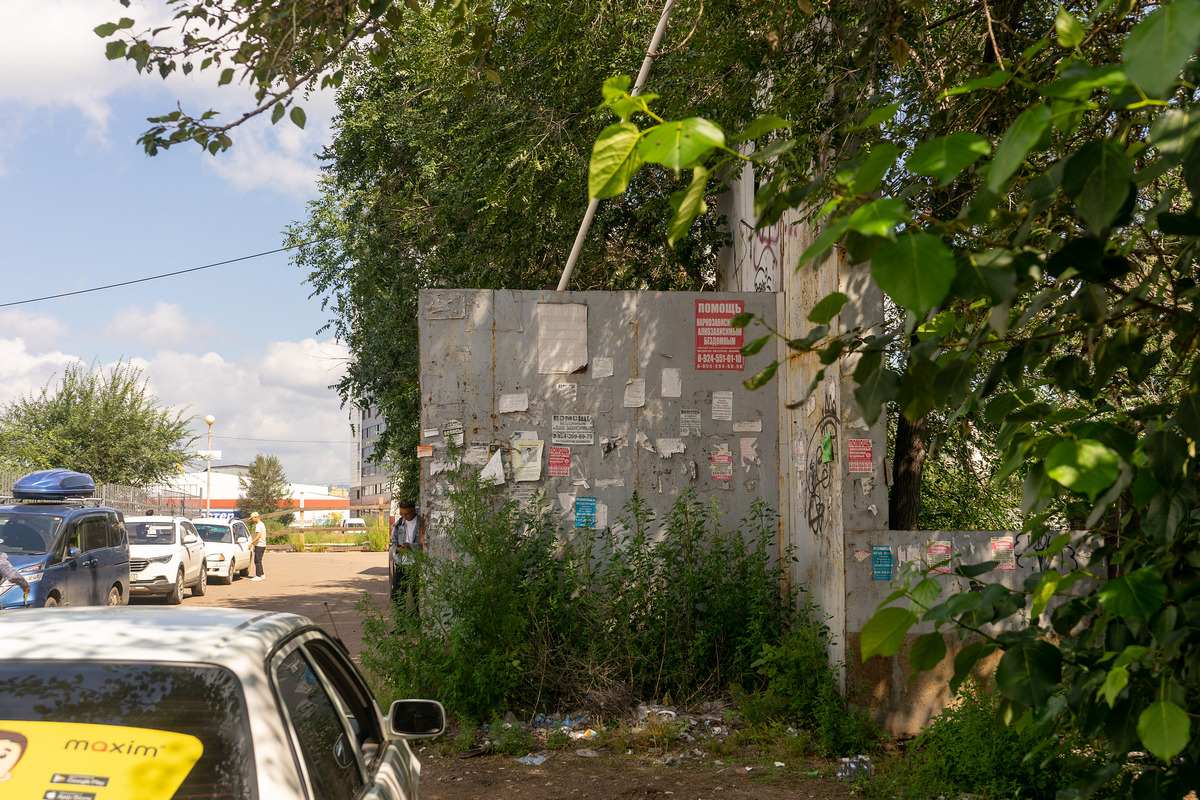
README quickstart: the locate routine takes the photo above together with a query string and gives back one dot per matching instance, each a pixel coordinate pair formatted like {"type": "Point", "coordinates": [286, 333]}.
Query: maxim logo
{"type": "Point", "coordinates": [115, 748]}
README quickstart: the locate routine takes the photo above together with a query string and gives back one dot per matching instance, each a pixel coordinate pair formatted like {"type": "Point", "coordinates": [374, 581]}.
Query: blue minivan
{"type": "Point", "coordinates": [72, 550]}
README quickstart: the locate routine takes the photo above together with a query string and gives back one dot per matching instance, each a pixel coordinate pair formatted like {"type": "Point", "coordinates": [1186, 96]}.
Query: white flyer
{"type": "Point", "coordinates": [672, 382]}
{"type": "Point", "coordinates": [635, 393]}
{"type": "Point", "coordinates": [722, 406]}
{"type": "Point", "coordinates": [510, 403]}
{"type": "Point", "coordinates": [602, 367]}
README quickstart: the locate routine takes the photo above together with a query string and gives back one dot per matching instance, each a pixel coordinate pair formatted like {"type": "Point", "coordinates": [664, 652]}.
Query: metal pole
{"type": "Point", "coordinates": [651, 54]}
{"type": "Point", "coordinates": [208, 468]}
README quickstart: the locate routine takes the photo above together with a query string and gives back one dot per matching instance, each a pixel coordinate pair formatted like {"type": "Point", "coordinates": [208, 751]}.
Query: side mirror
{"type": "Point", "coordinates": [74, 552]}
{"type": "Point", "coordinates": [242, 538]}
{"type": "Point", "coordinates": [416, 719]}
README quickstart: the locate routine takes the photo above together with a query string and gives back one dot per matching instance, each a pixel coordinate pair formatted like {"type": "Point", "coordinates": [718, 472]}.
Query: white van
{"type": "Point", "coordinates": [355, 522]}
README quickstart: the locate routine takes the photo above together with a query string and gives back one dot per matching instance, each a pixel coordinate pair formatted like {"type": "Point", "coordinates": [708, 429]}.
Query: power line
{"type": "Point", "coordinates": [159, 277]}
{"type": "Point", "coordinates": [285, 441]}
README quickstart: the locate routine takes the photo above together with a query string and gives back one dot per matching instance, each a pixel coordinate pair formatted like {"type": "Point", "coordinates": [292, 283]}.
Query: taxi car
{"type": "Point", "coordinates": [69, 546]}
{"type": "Point", "coordinates": [195, 704]}
{"type": "Point", "coordinates": [226, 547]}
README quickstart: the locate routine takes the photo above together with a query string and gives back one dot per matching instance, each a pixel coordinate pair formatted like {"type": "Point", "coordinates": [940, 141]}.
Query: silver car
{"type": "Point", "coordinates": [211, 703]}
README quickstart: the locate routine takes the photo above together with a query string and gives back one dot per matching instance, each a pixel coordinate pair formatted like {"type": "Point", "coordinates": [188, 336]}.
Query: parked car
{"type": "Point", "coordinates": [209, 703]}
{"type": "Point", "coordinates": [226, 547]}
{"type": "Point", "coordinates": [166, 555]}
{"type": "Point", "coordinates": [71, 549]}
{"type": "Point", "coordinates": [355, 522]}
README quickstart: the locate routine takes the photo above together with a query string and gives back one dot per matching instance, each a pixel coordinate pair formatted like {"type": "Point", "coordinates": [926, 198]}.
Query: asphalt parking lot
{"type": "Point", "coordinates": [321, 586]}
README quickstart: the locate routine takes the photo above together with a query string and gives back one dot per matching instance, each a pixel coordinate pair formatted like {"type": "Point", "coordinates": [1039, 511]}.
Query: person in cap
{"type": "Point", "coordinates": [259, 544]}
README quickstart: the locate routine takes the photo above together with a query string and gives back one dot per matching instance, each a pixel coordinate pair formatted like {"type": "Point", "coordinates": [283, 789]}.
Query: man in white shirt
{"type": "Point", "coordinates": [258, 542]}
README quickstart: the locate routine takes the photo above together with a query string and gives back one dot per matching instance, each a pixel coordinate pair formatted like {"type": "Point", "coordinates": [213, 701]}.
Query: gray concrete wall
{"type": "Point", "coordinates": [483, 368]}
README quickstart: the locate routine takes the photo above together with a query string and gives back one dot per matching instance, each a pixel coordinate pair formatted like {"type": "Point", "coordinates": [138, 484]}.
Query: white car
{"type": "Point", "coordinates": [196, 703]}
{"type": "Point", "coordinates": [226, 548]}
{"type": "Point", "coordinates": [166, 555]}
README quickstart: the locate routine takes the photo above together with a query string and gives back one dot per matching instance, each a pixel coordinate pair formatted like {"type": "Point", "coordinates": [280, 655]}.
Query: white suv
{"type": "Point", "coordinates": [226, 547]}
{"type": "Point", "coordinates": [166, 555]}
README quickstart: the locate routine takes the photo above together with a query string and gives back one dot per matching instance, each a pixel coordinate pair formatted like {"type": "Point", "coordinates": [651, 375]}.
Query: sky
{"type": "Point", "coordinates": [82, 206]}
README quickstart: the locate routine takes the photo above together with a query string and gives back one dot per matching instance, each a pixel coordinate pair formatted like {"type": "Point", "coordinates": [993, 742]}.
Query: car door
{"type": "Point", "coordinates": [336, 727]}
{"type": "Point", "coordinates": [193, 561]}
{"type": "Point", "coordinates": [241, 543]}
{"type": "Point", "coordinates": [75, 568]}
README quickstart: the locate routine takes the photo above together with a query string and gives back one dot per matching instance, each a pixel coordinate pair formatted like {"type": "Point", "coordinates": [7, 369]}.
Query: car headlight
{"type": "Point", "coordinates": [31, 574]}
{"type": "Point", "coordinates": [216, 557]}
{"type": "Point", "coordinates": [160, 560]}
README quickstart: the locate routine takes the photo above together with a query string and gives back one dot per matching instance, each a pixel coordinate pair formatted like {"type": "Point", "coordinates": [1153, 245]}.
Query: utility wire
{"type": "Point", "coordinates": [158, 277]}
{"type": "Point", "coordinates": [287, 441]}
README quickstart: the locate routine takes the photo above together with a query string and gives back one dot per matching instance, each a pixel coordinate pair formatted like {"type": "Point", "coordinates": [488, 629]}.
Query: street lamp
{"type": "Point", "coordinates": [210, 419]}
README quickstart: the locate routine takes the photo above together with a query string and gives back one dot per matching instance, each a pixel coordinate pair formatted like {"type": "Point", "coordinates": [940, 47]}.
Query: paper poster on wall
{"type": "Point", "coordinates": [722, 466]}
{"type": "Point", "coordinates": [748, 452]}
{"type": "Point", "coordinates": [937, 556]}
{"type": "Point", "coordinates": [718, 345]}
{"type": "Point", "coordinates": [510, 403]}
{"type": "Point", "coordinates": [747, 426]}
{"type": "Point", "coordinates": [860, 455]}
{"type": "Point", "coordinates": [801, 457]}
{"type": "Point", "coordinates": [560, 461]}
{"type": "Point", "coordinates": [882, 562]}
{"type": "Point", "coordinates": [722, 406]}
{"type": "Point", "coordinates": [689, 422]}
{"type": "Point", "coordinates": [635, 393]}
{"type": "Point", "coordinates": [453, 431]}
{"type": "Point", "coordinates": [424, 451]}
{"type": "Point", "coordinates": [601, 516]}
{"type": "Point", "coordinates": [429, 433]}
{"type": "Point", "coordinates": [672, 382]}
{"type": "Point", "coordinates": [827, 448]}
{"type": "Point", "coordinates": [527, 460]}
{"type": "Point", "coordinates": [1004, 550]}
{"type": "Point", "coordinates": [585, 512]}
{"type": "Point", "coordinates": [477, 454]}
{"type": "Point", "coordinates": [562, 337]}
{"type": "Point", "coordinates": [493, 473]}
{"type": "Point", "coordinates": [602, 367]}
{"type": "Point", "coordinates": [572, 429]}
{"type": "Point", "coordinates": [668, 447]}
{"type": "Point", "coordinates": [567, 391]}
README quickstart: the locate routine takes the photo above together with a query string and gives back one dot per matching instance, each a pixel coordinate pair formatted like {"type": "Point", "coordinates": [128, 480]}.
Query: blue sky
{"type": "Point", "coordinates": [82, 206]}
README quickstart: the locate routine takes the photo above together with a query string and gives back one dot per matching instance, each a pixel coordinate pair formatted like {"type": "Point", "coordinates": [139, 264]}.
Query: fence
{"type": "Point", "coordinates": [133, 500]}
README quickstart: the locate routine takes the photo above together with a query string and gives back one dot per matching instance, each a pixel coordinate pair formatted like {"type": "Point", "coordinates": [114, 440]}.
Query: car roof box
{"type": "Point", "coordinates": [53, 484]}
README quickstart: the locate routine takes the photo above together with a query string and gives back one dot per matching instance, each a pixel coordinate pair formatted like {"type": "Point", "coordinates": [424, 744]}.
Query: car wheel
{"type": "Point", "coordinates": [228, 577]}
{"type": "Point", "coordinates": [114, 596]}
{"type": "Point", "coordinates": [201, 586]}
{"type": "Point", "coordinates": [245, 573]}
{"type": "Point", "coordinates": [52, 601]}
{"type": "Point", "coordinates": [175, 596]}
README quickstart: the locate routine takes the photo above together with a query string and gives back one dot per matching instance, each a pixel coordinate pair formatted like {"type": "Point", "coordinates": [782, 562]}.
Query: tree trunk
{"type": "Point", "coordinates": [904, 502]}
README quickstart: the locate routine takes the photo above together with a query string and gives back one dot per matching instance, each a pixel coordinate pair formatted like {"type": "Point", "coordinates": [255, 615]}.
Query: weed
{"type": "Point", "coordinates": [557, 739]}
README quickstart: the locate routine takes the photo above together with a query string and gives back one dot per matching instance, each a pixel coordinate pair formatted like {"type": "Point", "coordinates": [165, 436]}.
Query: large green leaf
{"type": "Point", "coordinates": [927, 651]}
{"type": "Point", "coordinates": [681, 144]}
{"type": "Point", "coordinates": [827, 308]}
{"type": "Point", "coordinates": [1020, 138]}
{"type": "Point", "coordinates": [916, 271]}
{"type": "Point", "coordinates": [879, 218]}
{"type": "Point", "coordinates": [1161, 44]}
{"type": "Point", "coordinates": [615, 159]}
{"type": "Point", "coordinates": [883, 634]}
{"type": "Point", "coordinates": [1068, 30]}
{"type": "Point", "coordinates": [1099, 177]}
{"type": "Point", "coordinates": [1116, 680]}
{"type": "Point", "coordinates": [687, 204]}
{"type": "Point", "coordinates": [1188, 415]}
{"type": "Point", "coordinates": [870, 172]}
{"type": "Point", "coordinates": [946, 156]}
{"type": "Point", "coordinates": [1029, 673]}
{"type": "Point", "coordinates": [1138, 594]}
{"type": "Point", "coordinates": [760, 126]}
{"type": "Point", "coordinates": [879, 387]}
{"type": "Point", "coordinates": [1083, 465]}
{"type": "Point", "coordinates": [825, 240]}
{"type": "Point", "coordinates": [1165, 729]}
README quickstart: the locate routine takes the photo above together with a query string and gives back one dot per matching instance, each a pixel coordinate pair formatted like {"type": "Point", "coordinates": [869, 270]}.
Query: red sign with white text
{"type": "Point", "coordinates": [718, 346]}
{"type": "Point", "coordinates": [560, 461]}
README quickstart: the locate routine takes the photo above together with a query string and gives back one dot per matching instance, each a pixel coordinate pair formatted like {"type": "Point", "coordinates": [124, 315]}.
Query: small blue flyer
{"type": "Point", "coordinates": [881, 561]}
{"type": "Point", "coordinates": [585, 512]}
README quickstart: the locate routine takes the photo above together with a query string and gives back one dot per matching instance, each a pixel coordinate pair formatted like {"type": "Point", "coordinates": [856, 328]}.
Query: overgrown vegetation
{"type": "Point", "coordinates": [515, 617]}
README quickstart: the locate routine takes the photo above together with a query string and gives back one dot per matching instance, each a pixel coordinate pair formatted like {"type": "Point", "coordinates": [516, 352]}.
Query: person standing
{"type": "Point", "coordinates": [258, 541]}
{"type": "Point", "coordinates": [405, 544]}
{"type": "Point", "coordinates": [9, 574]}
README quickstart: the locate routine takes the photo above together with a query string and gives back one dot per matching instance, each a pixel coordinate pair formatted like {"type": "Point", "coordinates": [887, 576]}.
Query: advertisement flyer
{"type": "Point", "coordinates": [560, 461]}
{"type": "Point", "coordinates": [572, 429]}
{"type": "Point", "coordinates": [527, 460]}
{"type": "Point", "coordinates": [722, 466]}
{"type": "Point", "coordinates": [937, 555]}
{"type": "Point", "coordinates": [718, 345]}
{"type": "Point", "coordinates": [882, 562]}
{"type": "Point", "coordinates": [1004, 550]}
{"type": "Point", "coordinates": [74, 761]}
{"type": "Point", "coordinates": [585, 512]}
{"type": "Point", "coordinates": [860, 455]}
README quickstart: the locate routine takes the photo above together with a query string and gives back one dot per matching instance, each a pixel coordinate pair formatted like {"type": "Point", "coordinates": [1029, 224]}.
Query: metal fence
{"type": "Point", "coordinates": [132, 500]}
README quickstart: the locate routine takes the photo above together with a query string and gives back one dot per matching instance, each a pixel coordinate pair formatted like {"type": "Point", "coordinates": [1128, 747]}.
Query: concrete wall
{"type": "Point", "coordinates": [497, 365]}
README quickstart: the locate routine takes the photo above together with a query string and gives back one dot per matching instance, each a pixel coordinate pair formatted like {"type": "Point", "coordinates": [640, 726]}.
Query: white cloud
{"type": "Point", "coordinates": [39, 331]}
{"type": "Point", "coordinates": [274, 403]}
{"type": "Point", "coordinates": [164, 326]}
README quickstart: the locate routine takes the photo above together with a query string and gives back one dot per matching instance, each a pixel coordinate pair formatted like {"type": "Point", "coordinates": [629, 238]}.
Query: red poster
{"type": "Point", "coordinates": [722, 466]}
{"type": "Point", "coordinates": [718, 346]}
{"type": "Point", "coordinates": [560, 461]}
{"type": "Point", "coordinates": [860, 458]}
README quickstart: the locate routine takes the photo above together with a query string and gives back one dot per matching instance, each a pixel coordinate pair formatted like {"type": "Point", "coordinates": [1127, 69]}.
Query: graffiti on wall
{"type": "Point", "coordinates": [764, 250]}
{"type": "Point", "coordinates": [820, 482]}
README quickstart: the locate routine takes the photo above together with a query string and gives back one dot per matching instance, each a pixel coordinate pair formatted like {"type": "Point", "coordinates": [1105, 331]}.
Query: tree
{"type": "Point", "coordinates": [427, 187]}
{"type": "Point", "coordinates": [103, 423]}
{"type": "Point", "coordinates": [1033, 213]}
{"type": "Point", "coordinates": [265, 489]}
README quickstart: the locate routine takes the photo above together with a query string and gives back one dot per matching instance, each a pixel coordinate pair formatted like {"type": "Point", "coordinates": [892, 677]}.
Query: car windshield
{"type": "Point", "coordinates": [83, 722]}
{"type": "Point", "coordinates": [151, 532]}
{"type": "Point", "coordinates": [26, 534]}
{"type": "Point", "coordinates": [214, 533]}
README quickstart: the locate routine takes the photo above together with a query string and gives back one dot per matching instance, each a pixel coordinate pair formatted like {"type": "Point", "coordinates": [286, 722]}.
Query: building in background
{"type": "Point", "coordinates": [313, 505]}
{"type": "Point", "coordinates": [370, 491]}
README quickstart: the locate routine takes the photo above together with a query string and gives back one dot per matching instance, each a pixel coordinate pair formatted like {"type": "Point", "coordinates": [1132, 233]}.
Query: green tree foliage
{"type": "Point", "coordinates": [265, 489]}
{"type": "Point", "coordinates": [427, 187]}
{"type": "Point", "coordinates": [104, 423]}
{"type": "Point", "coordinates": [1032, 211]}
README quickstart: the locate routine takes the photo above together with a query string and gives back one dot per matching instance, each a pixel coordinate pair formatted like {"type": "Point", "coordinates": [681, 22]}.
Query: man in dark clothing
{"type": "Point", "coordinates": [404, 545]}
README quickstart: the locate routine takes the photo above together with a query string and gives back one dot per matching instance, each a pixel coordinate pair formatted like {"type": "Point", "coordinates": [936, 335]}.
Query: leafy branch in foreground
{"type": "Point", "coordinates": [1037, 226]}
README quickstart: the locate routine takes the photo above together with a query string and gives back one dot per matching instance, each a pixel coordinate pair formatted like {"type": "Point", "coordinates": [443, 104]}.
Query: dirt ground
{"type": "Point", "coordinates": [326, 586]}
